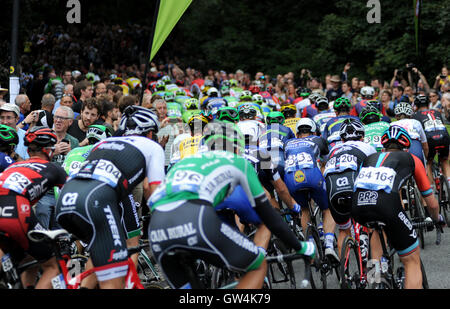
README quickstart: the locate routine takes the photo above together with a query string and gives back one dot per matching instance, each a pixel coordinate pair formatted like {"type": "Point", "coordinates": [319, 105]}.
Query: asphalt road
{"type": "Point", "coordinates": [436, 260]}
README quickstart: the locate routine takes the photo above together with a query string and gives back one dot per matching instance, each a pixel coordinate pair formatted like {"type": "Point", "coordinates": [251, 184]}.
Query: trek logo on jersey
{"type": "Point", "coordinates": [113, 226]}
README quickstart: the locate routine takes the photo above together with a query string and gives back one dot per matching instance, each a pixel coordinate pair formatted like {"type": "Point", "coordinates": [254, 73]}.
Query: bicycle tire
{"type": "Point", "coordinates": [424, 276]}
{"type": "Point", "coordinates": [221, 277]}
{"type": "Point", "coordinates": [444, 199]}
{"type": "Point", "coordinates": [350, 270]}
{"type": "Point", "coordinates": [318, 275]}
{"type": "Point", "coordinates": [416, 210]}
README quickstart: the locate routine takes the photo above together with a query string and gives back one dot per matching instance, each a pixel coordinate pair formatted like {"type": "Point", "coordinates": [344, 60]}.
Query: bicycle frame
{"type": "Point", "coordinates": [355, 233]}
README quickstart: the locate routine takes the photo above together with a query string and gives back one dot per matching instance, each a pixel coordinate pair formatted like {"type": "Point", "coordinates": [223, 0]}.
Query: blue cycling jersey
{"type": "Point", "coordinates": [5, 161]}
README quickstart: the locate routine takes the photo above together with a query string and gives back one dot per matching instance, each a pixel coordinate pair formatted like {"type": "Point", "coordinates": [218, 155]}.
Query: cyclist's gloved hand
{"type": "Point", "coordinates": [296, 209]}
{"type": "Point", "coordinates": [308, 249]}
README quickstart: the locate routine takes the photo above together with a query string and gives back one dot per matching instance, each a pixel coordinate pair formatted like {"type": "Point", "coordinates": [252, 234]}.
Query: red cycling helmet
{"type": "Point", "coordinates": [42, 137]}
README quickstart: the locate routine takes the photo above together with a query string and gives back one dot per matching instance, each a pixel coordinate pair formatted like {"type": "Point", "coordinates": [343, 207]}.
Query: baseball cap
{"type": "Point", "coordinates": [10, 107]}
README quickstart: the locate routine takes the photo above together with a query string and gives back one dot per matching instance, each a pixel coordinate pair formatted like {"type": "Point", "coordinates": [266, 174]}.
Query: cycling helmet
{"type": "Point", "coordinates": [169, 97]}
{"type": "Point", "coordinates": [303, 92]}
{"type": "Point", "coordinates": [369, 114]}
{"type": "Point", "coordinates": [212, 92]}
{"type": "Point", "coordinates": [160, 86]}
{"type": "Point", "coordinates": [191, 104]}
{"type": "Point", "coordinates": [246, 96]}
{"type": "Point", "coordinates": [403, 108]}
{"type": "Point", "coordinates": [257, 98]}
{"type": "Point", "coordinates": [351, 129]}
{"type": "Point", "coordinates": [137, 120]}
{"type": "Point", "coordinates": [8, 136]}
{"type": "Point", "coordinates": [313, 97]}
{"type": "Point", "coordinates": [233, 83]}
{"type": "Point", "coordinates": [306, 125]}
{"type": "Point", "coordinates": [421, 100]}
{"type": "Point", "coordinates": [396, 134]}
{"type": "Point", "coordinates": [251, 131]}
{"type": "Point", "coordinates": [288, 110]}
{"type": "Point", "coordinates": [166, 79]}
{"type": "Point", "coordinates": [224, 91]}
{"type": "Point", "coordinates": [227, 113]}
{"type": "Point", "coordinates": [180, 92]}
{"type": "Point", "coordinates": [322, 103]}
{"type": "Point", "coordinates": [254, 89]}
{"type": "Point", "coordinates": [375, 103]}
{"type": "Point", "coordinates": [342, 104]}
{"type": "Point", "coordinates": [223, 136]}
{"type": "Point", "coordinates": [96, 133]}
{"type": "Point", "coordinates": [275, 117]}
{"type": "Point", "coordinates": [197, 121]}
{"type": "Point", "coordinates": [41, 138]}
{"type": "Point", "coordinates": [247, 111]}
{"type": "Point", "coordinates": [367, 92]}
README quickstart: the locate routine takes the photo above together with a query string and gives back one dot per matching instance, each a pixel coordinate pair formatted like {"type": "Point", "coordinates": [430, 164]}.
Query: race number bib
{"type": "Point", "coordinates": [275, 143]}
{"type": "Point", "coordinates": [374, 140]}
{"type": "Point", "coordinates": [341, 163]}
{"type": "Point", "coordinates": [74, 167]}
{"type": "Point", "coordinates": [433, 125]}
{"type": "Point", "coordinates": [16, 182]}
{"type": "Point", "coordinates": [106, 171]}
{"type": "Point", "coordinates": [376, 178]}
{"type": "Point", "coordinates": [299, 160]}
{"type": "Point", "coordinates": [184, 180]}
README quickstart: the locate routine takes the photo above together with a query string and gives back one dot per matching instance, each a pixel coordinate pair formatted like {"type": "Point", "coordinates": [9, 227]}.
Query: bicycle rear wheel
{"type": "Point", "coordinates": [318, 275]}
{"type": "Point", "coordinates": [424, 276]}
{"type": "Point", "coordinates": [444, 199]}
{"type": "Point", "coordinates": [417, 212]}
{"type": "Point", "coordinates": [350, 270]}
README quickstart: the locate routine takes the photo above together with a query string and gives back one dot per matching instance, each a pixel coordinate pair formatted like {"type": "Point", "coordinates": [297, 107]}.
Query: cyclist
{"type": "Point", "coordinates": [377, 198]}
{"type": "Point", "coordinates": [340, 172]}
{"type": "Point", "coordinates": [227, 113]}
{"type": "Point", "coordinates": [187, 199]}
{"type": "Point", "coordinates": [113, 168]}
{"type": "Point", "coordinates": [374, 127]}
{"type": "Point", "coordinates": [289, 112]}
{"type": "Point", "coordinates": [367, 95]}
{"type": "Point", "coordinates": [301, 172]}
{"type": "Point", "coordinates": [419, 145]}
{"type": "Point", "coordinates": [324, 113]}
{"type": "Point", "coordinates": [8, 141]}
{"type": "Point", "coordinates": [331, 132]}
{"type": "Point", "coordinates": [437, 136]}
{"type": "Point", "coordinates": [249, 126]}
{"type": "Point", "coordinates": [22, 185]}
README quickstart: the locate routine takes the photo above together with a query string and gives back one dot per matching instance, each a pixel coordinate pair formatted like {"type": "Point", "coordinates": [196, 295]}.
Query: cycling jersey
{"type": "Point", "coordinates": [5, 161]}
{"type": "Point", "coordinates": [377, 197]}
{"type": "Point", "coordinates": [74, 158]}
{"type": "Point", "coordinates": [291, 123]}
{"type": "Point", "coordinates": [321, 118]}
{"type": "Point", "coordinates": [373, 133]}
{"type": "Point", "coordinates": [273, 140]}
{"type": "Point", "coordinates": [309, 111]}
{"type": "Point", "coordinates": [331, 130]}
{"type": "Point", "coordinates": [417, 135]}
{"type": "Point", "coordinates": [300, 153]}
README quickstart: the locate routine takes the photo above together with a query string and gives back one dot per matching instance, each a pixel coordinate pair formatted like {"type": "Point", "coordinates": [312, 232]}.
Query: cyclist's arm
{"type": "Point", "coordinates": [421, 178]}
{"type": "Point", "coordinates": [283, 192]}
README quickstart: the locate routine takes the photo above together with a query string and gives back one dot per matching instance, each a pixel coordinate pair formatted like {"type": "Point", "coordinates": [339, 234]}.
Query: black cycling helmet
{"type": "Point", "coordinates": [219, 135]}
{"type": "Point", "coordinates": [351, 130]}
{"type": "Point", "coordinates": [396, 134]}
{"type": "Point", "coordinates": [247, 111]}
{"type": "Point", "coordinates": [8, 139]}
{"type": "Point", "coordinates": [369, 114]}
{"type": "Point", "coordinates": [421, 100]}
{"type": "Point", "coordinates": [138, 120]}
{"type": "Point", "coordinates": [97, 132]}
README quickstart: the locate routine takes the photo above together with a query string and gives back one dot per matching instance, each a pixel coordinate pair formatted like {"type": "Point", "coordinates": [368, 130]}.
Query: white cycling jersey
{"type": "Point", "coordinates": [414, 128]}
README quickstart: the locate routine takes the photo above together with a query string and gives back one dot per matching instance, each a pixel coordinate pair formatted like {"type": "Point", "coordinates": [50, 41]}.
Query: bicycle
{"type": "Point", "coordinates": [11, 269]}
{"type": "Point", "coordinates": [384, 276]}
{"type": "Point", "coordinates": [443, 191]}
{"type": "Point", "coordinates": [322, 265]}
{"type": "Point", "coordinates": [72, 280]}
{"type": "Point", "coordinates": [353, 269]}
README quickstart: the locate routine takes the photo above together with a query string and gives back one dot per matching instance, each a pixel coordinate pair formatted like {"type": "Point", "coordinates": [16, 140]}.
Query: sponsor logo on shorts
{"type": "Point", "coordinates": [118, 256]}
{"type": "Point", "coordinates": [367, 198]}
{"type": "Point", "coordinates": [299, 176]}
{"type": "Point", "coordinates": [341, 182]}
{"type": "Point", "coordinates": [239, 239]}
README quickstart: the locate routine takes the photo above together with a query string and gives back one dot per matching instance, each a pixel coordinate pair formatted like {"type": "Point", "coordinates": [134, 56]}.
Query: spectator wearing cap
{"type": "Point", "coordinates": [9, 115]}
{"type": "Point", "coordinates": [336, 90]}
{"type": "Point", "coordinates": [3, 92]}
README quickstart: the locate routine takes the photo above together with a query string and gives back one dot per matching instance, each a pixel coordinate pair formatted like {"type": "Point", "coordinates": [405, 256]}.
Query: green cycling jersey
{"type": "Point", "coordinates": [373, 133]}
{"type": "Point", "coordinates": [74, 158]}
{"type": "Point", "coordinates": [209, 176]}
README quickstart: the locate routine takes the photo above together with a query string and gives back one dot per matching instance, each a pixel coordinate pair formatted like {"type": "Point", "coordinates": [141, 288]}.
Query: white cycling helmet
{"type": "Point", "coordinates": [212, 92]}
{"type": "Point", "coordinates": [137, 120]}
{"type": "Point", "coordinates": [251, 129]}
{"type": "Point", "coordinates": [367, 92]}
{"type": "Point", "coordinates": [403, 108]}
{"type": "Point", "coordinates": [307, 122]}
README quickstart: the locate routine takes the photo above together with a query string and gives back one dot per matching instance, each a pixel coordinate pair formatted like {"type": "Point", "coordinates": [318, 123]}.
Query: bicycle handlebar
{"type": "Point", "coordinates": [439, 229]}
{"type": "Point", "coordinates": [288, 258]}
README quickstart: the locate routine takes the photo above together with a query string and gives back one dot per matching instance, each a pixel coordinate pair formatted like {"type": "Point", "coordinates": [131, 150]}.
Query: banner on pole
{"type": "Point", "coordinates": [170, 11]}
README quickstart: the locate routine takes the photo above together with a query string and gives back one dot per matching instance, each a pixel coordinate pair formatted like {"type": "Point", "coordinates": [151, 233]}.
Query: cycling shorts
{"type": "Point", "coordinates": [438, 143]}
{"type": "Point", "coordinates": [368, 205]}
{"type": "Point", "coordinates": [304, 182]}
{"type": "Point", "coordinates": [194, 226]}
{"type": "Point", "coordinates": [90, 210]}
{"type": "Point", "coordinates": [340, 191]}
{"type": "Point", "coordinates": [16, 219]}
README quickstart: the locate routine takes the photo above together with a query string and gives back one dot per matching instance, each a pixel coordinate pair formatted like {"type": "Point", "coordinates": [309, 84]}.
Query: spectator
{"type": "Point", "coordinates": [63, 119]}
{"type": "Point", "coordinates": [336, 90]}
{"type": "Point", "coordinates": [108, 116]}
{"type": "Point", "coordinates": [355, 84]}
{"type": "Point", "coordinates": [346, 90]}
{"type": "Point", "coordinates": [3, 92]}
{"type": "Point", "coordinates": [409, 93]}
{"type": "Point", "coordinates": [90, 112]}
{"type": "Point", "coordinates": [9, 115]}
{"type": "Point", "coordinates": [82, 91]}
{"type": "Point", "coordinates": [446, 107]}
{"type": "Point", "coordinates": [67, 77]}
{"type": "Point", "coordinates": [45, 114]}
{"type": "Point", "coordinates": [344, 74]}
{"type": "Point", "coordinates": [100, 89]}
{"type": "Point", "coordinates": [66, 100]}
{"type": "Point", "coordinates": [386, 100]}
{"type": "Point", "coordinates": [442, 78]}
{"type": "Point", "coordinates": [397, 94]}
{"type": "Point", "coordinates": [435, 103]}
{"type": "Point", "coordinates": [24, 104]}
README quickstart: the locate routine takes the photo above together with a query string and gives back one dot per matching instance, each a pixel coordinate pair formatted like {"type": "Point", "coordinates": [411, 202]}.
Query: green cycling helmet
{"type": "Point", "coordinates": [227, 113]}
{"type": "Point", "coordinates": [342, 104]}
{"type": "Point", "coordinates": [96, 133]}
{"type": "Point", "coordinates": [8, 138]}
{"type": "Point", "coordinates": [220, 135]}
{"type": "Point", "coordinates": [275, 117]}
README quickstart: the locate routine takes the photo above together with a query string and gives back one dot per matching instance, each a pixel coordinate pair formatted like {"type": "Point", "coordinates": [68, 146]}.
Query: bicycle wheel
{"type": "Point", "coordinates": [350, 270]}
{"type": "Point", "coordinates": [318, 274]}
{"type": "Point", "coordinates": [444, 199]}
{"type": "Point", "coordinates": [417, 212]}
{"type": "Point", "coordinates": [424, 276]}
{"type": "Point", "coordinates": [222, 277]}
